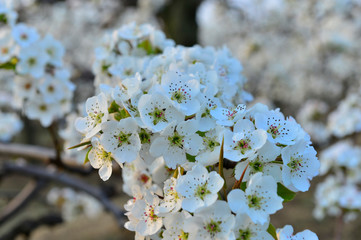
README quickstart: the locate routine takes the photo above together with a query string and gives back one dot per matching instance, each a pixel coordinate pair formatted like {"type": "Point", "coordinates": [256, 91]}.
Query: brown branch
{"type": "Point", "coordinates": [62, 178]}
{"type": "Point", "coordinates": [42, 154]}
{"type": "Point", "coordinates": [21, 200]}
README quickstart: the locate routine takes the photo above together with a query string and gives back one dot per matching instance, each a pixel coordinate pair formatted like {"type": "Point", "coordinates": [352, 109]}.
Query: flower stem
{"type": "Point", "coordinates": [238, 183]}
{"type": "Point", "coordinates": [220, 168]}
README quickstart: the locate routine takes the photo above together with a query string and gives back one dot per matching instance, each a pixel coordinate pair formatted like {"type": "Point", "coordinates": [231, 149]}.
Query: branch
{"type": "Point", "coordinates": [21, 200]}
{"type": "Point", "coordinates": [43, 154]}
{"type": "Point", "coordinates": [45, 174]}
{"type": "Point", "coordinates": [27, 226]}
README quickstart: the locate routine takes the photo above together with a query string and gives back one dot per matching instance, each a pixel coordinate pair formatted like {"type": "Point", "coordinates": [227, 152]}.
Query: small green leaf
{"type": "Point", "coordinates": [3, 18]}
{"type": "Point", "coordinates": [121, 115]}
{"type": "Point", "coordinates": [80, 145]}
{"type": "Point", "coordinates": [243, 186]}
{"type": "Point", "coordinates": [149, 49]}
{"type": "Point", "coordinates": [202, 134]}
{"type": "Point", "coordinates": [87, 156]}
{"type": "Point", "coordinates": [190, 158]}
{"type": "Point", "coordinates": [272, 230]}
{"type": "Point", "coordinates": [285, 193]}
{"type": "Point", "coordinates": [114, 107]}
{"type": "Point", "coordinates": [8, 65]}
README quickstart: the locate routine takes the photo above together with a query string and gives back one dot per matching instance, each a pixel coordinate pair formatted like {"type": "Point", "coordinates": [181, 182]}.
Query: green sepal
{"type": "Point", "coordinates": [272, 230]}
{"type": "Point", "coordinates": [114, 107]}
{"type": "Point", "coordinates": [80, 145]}
{"type": "Point", "coordinates": [190, 158]}
{"type": "Point", "coordinates": [87, 155]}
{"type": "Point", "coordinates": [149, 49]}
{"type": "Point", "coordinates": [121, 115]}
{"type": "Point", "coordinates": [285, 193]}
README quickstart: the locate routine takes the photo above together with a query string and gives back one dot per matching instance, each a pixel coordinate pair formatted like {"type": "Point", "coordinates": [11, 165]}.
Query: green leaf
{"type": "Point", "coordinates": [190, 158]}
{"type": "Point", "coordinates": [285, 193]}
{"type": "Point", "coordinates": [272, 230]}
{"type": "Point", "coordinates": [87, 155]}
{"type": "Point", "coordinates": [243, 186]}
{"type": "Point", "coordinates": [8, 65]}
{"type": "Point", "coordinates": [3, 18]}
{"type": "Point", "coordinates": [202, 134]}
{"type": "Point", "coordinates": [114, 107]}
{"type": "Point", "coordinates": [121, 115]}
{"type": "Point", "coordinates": [80, 145]}
{"type": "Point", "coordinates": [149, 49]}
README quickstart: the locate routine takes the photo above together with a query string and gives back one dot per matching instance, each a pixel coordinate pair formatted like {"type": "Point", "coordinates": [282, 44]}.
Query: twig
{"type": "Point", "coordinates": [27, 226]}
{"type": "Point", "coordinates": [220, 166]}
{"type": "Point", "coordinates": [43, 173]}
{"type": "Point", "coordinates": [21, 200]}
{"type": "Point", "coordinates": [43, 154]}
{"type": "Point", "coordinates": [338, 227]}
{"type": "Point", "coordinates": [57, 144]}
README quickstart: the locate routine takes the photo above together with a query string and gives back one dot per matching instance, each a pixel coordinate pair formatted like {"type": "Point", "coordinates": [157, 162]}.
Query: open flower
{"type": "Point", "coordinates": [258, 201]}
{"type": "Point", "coordinates": [97, 110]}
{"type": "Point", "coordinates": [199, 188]}
{"type": "Point", "coordinates": [121, 139]}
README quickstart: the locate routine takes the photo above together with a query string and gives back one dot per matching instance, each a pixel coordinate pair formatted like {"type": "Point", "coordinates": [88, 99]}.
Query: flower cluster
{"type": "Point", "coordinates": [73, 204]}
{"type": "Point", "coordinates": [339, 193]}
{"type": "Point", "coordinates": [346, 119]}
{"type": "Point", "coordinates": [322, 37]}
{"type": "Point", "coordinates": [10, 125]}
{"type": "Point", "coordinates": [170, 116]}
{"type": "Point", "coordinates": [42, 88]}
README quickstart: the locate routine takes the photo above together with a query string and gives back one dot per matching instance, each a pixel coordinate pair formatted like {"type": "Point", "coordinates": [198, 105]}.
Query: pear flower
{"type": "Point", "coordinates": [100, 159]}
{"type": "Point", "coordinates": [97, 110]}
{"type": "Point", "coordinates": [244, 141]}
{"type": "Point", "coordinates": [286, 233]}
{"type": "Point", "coordinates": [213, 222]}
{"type": "Point", "coordinates": [199, 188]}
{"type": "Point", "coordinates": [175, 142]}
{"type": "Point", "coordinates": [300, 164]}
{"type": "Point", "coordinates": [157, 112]}
{"type": "Point", "coordinates": [258, 201]}
{"type": "Point", "coordinates": [121, 139]}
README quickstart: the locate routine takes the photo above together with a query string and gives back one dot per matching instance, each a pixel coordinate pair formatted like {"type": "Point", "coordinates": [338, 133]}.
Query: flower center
{"type": "Point", "coordinates": [206, 113]}
{"type": "Point", "coordinates": [295, 164]}
{"type": "Point", "coordinates": [202, 191]}
{"type": "Point", "coordinates": [43, 108]}
{"type": "Point", "coordinates": [257, 166]}
{"type": "Point", "coordinates": [4, 50]}
{"type": "Point", "coordinates": [31, 61]}
{"type": "Point", "coordinates": [254, 201]}
{"type": "Point", "coordinates": [50, 51]}
{"type": "Point", "coordinates": [123, 138]}
{"type": "Point", "coordinates": [97, 117]}
{"type": "Point", "coordinates": [213, 227]}
{"type": "Point", "coordinates": [150, 214]}
{"type": "Point", "coordinates": [158, 116]}
{"type": "Point", "coordinates": [176, 140]}
{"type": "Point", "coordinates": [144, 178]}
{"type": "Point", "coordinates": [274, 131]}
{"type": "Point", "coordinates": [243, 145]}
{"type": "Point", "coordinates": [144, 136]}
{"type": "Point", "coordinates": [244, 234]}
{"type": "Point", "coordinates": [210, 143]}
{"type": "Point", "coordinates": [179, 95]}
{"type": "Point", "coordinates": [183, 235]}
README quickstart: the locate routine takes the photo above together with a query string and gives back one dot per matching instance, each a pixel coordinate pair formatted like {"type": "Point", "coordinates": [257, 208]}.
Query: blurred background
{"type": "Point", "coordinates": [300, 56]}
